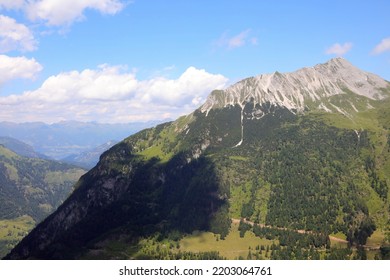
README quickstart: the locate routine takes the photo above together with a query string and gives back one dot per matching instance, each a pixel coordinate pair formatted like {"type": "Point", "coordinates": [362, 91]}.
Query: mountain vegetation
{"type": "Point", "coordinates": [296, 157]}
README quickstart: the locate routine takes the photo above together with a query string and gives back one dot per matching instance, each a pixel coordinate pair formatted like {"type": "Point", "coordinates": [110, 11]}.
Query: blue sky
{"type": "Point", "coordinates": [125, 61]}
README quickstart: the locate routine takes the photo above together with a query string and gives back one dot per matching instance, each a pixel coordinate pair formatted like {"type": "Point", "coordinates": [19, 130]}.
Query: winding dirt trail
{"type": "Point", "coordinates": [332, 238]}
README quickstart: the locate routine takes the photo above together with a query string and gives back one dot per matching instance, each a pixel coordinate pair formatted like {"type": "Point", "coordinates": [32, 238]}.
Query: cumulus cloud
{"type": "Point", "coordinates": [236, 41]}
{"type": "Point", "coordinates": [12, 4]}
{"type": "Point", "coordinates": [12, 68]}
{"type": "Point", "coordinates": [338, 49]}
{"type": "Point", "coordinates": [57, 13]}
{"type": "Point", "coordinates": [110, 94]}
{"type": "Point", "coordinates": [61, 12]}
{"type": "Point", "coordinates": [383, 46]}
{"type": "Point", "coordinates": [15, 36]}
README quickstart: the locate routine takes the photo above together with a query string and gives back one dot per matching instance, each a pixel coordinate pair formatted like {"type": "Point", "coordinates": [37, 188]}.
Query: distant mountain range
{"type": "Point", "coordinates": [63, 139]}
{"type": "Point", "coordinates": [87, 159]}
{"type": "Point", "coordinates": [91, 157]}
{"type": "Point", "coordinates": [20, 148]}
{"type": "Point", "coordinates": [296, 157]}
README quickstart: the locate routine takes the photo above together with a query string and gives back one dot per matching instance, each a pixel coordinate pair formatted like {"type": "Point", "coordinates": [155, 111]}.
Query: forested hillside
{"type": "Point", "coordinates": [30, 189]}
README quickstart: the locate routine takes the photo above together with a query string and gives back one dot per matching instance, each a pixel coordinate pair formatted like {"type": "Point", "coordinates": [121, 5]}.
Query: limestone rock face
{"type": "Point", "coordinates": [307, 88]}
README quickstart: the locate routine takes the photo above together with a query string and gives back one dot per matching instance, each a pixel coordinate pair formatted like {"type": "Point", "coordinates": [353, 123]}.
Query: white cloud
{"type": "Point", "coordinates": [109, 94]}
{"type": "Point", "coordinates": [60, 12]}
{"type": "Point", "coordinates": [17, 68]}
{"type": "Point", "coordinates": [236, 41]}
{"type": "Point", "coordinates": [15, 36]}
{"type": "Point", "coordinates": [338, 49]}
{"type": "Point", "coordinates": [383, 46]}
{"type": "Point", "coordinates": [12, 4]}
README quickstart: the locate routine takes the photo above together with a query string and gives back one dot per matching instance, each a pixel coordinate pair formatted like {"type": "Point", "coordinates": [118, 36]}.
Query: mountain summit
{"type": "Point", "coordinates": [305, 89]}
{"type": "Point", "coordinates": [308, 151]}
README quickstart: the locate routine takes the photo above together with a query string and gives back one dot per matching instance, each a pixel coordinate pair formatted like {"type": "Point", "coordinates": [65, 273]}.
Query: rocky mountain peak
{"type": "Point", "coordinates": [306, 88]}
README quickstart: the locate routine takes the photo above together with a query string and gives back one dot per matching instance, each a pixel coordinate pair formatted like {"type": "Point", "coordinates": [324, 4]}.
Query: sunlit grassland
{"type": "Point", "coordinates": [232, 247]}
{"type": "Point", "coordinates": [155, 151]}
{"type": "Point", "coordinates": [12, 231]}
{"type": "Point", "coordinates": [376, 239]}
{"type": "Point", "coordinates": [60, 177]}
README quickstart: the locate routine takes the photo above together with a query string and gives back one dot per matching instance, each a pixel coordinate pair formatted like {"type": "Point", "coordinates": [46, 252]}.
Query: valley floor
{"type": "Point", "coordinates": [247, 247]}
{"type": "Point", "coordinates": [235, 246]}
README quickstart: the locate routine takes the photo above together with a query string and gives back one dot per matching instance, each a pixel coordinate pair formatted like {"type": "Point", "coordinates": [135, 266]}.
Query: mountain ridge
{"type": "Point", "coordinates": [20, 148]}
{"type": "Point", "coordinates": [301, 89]}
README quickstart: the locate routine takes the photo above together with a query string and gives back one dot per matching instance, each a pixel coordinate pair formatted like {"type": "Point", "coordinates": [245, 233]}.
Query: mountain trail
{"type": "Point", "coordinates": [302, 231]}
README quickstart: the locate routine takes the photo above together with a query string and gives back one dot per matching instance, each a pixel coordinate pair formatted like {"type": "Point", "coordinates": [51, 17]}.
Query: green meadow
{"type": "Point", "coordinates": [232, 247]}
{"type": "Point", "coordinates": [12, 231]}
